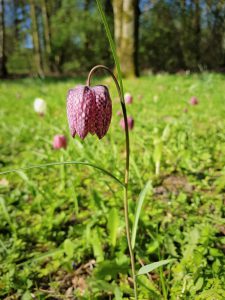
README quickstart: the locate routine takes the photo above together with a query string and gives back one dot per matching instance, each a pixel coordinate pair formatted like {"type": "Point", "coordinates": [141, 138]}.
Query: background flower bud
{"type": "Point", "coordinates": [193, 101]}
{"type": "Point", "coordinates": [128, 98]}
{"type": "Point", "coordinates": [40, 106]}
{"type": "Point", "coordinates": [59, 141]}
{"type": "Point", "coordinates": [130, 123]}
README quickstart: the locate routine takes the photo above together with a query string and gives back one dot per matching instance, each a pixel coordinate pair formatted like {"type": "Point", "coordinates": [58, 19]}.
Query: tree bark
{"type": "Point", "coordinates": [3, 68]}
{"type": "Point", "coordinates": [36, 43]}
{"type": "Point", "coordinates": [197, 29]}
{"type": "Point", "coordinates": [183, 31]}
{"type": "Point", "coordinates": [126, 34]}
{"type": "Point", "coordinates": [47, 35]}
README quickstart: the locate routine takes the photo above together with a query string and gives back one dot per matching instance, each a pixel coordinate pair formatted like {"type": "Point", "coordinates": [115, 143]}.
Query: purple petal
{"type": "Point", "coordinates": [81, 111]}
{"type": "Point", "coordinates": [103, 113]}
{"type": "Point", "coordinates": [71, 111]}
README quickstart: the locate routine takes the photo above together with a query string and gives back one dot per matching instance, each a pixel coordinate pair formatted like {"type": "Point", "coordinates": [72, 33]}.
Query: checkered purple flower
{"type": "Point", "coordinates": [89, 110]}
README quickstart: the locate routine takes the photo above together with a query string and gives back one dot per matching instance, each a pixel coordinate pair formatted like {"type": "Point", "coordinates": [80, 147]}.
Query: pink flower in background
{"type": "Point", "coordinates": [128, 98]}
{"type": "Point", "coordinates": [130, 122]}
{"type": "Point", "coordinates": [89, 110]}
{"type": "Point", "coordinates": [119, 113]}
{"type": "Point", "coordinates": [59, 141]}
{"type": "Point", "coordinates": [193, 101]}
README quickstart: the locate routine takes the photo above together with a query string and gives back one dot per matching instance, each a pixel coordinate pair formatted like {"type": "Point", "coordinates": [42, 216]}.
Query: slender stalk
{"type": "Point", "coordinates": [126, 175]}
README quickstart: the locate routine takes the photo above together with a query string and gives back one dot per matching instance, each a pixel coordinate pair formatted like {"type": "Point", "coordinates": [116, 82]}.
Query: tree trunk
{"type": "Point", "coordinates": [183, 32]}
{"type": "Point", "coordinates": [36, 44]}
{"type": "Point", "coordinates": [47, 35]}
{"type": "Point", "coordinates": [136, 37]}
{"type": "Point", "coordinates": [197, 30]}
{"type": "Point", "coordinates": [126, 34]}
{"type": "Point", "coordinates": [3, 69]}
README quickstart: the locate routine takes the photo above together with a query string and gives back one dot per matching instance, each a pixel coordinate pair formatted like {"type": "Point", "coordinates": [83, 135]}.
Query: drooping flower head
{"type": "Point", "coordinates": [89, 110]}
{"type": "Point", "coordinates": [193, 101]}
{"type": "Point", "coordinates": [128, 98]}
{"type": "Point", "coordinates": [40, 106]}
{"type": "Point", "coordinates": [59, 141]}
{"type": "Point", "coordinates": [130, 123]}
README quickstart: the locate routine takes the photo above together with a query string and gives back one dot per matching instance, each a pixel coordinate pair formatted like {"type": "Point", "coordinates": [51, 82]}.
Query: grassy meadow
{"type": "Point", "coordinates": [62, 230]}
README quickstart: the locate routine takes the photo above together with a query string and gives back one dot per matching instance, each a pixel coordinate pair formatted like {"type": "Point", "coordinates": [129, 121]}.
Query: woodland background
{"type": "Point", "coordinates": [65, 37]}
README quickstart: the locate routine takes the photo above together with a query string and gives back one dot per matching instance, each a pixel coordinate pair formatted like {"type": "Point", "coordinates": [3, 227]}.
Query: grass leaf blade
{"type": "Point", "coordinates": [65, 163]}
{"type": "Point", "coordinates": [149, 268]}
{"type": "Point", "coordinates": [138, 211]}
{"type": "Point", "coordinates": [113, 223]}
{"type": "Point", "coordinates": [112, 44]}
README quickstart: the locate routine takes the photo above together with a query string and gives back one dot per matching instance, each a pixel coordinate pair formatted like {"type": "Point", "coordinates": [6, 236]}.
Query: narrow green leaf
{"type": "Point", "coordinates": [113, 223]}
{"type": "Point", "coordinates": [6, 214]}
{"type": "Point", "coordinates": [68, 248]}
{"type": "Point", "coordinates": [199, 284]}
{"type": "Point", "coordinates": [157, 154]}
{"type": "Point", "coordinates": [97, 246]}
{"type": "Point", "coordinates": [4, 210]}
{"type": "Point", "coordinates": [65, 163]}
{"type": "Point", "coordinates": [166, 133]}
{"type": "Point", "coordinates": [149, 268]}
{"type": "Point", "coordinates": [112, 44]}
{"type": "Point", "coordinates": [138, 211]}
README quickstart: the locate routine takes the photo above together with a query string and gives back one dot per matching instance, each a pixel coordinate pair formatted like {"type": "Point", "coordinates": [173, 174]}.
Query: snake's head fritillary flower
{"type": "Point", "coordinates": [130, 123]}
{"type": "Point", "coordinates": [89, 110]}
{"type": "Point", "coordinates": [40, 106]}
{"type": "Point", "coordinates": [193, 101]}
{"type": "Point", "coordinates": [128, 98]}
{"type": "Point", "coordinates": [59, 141]}
{"type": "Point", "coordinates": [119, 113]}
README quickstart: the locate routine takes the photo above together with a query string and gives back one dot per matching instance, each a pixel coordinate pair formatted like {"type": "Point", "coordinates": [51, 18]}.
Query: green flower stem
{"type": "Point", "coordinates": [126, 177]}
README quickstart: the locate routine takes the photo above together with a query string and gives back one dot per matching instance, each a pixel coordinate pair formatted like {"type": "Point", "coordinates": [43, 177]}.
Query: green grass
{"type": "Point", "coordinates": [56, 223]}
